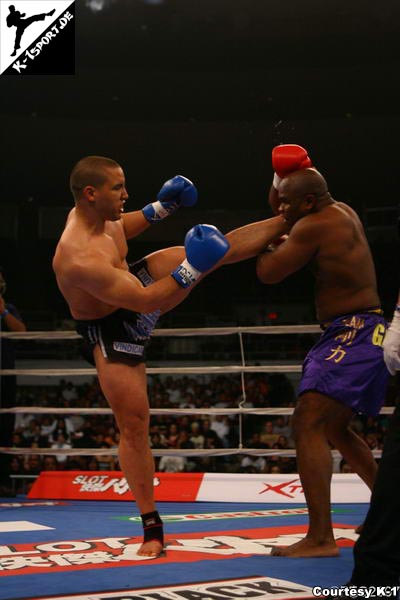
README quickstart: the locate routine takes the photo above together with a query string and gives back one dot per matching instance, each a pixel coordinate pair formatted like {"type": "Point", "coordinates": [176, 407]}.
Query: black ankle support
{"type": "Point", "coordinates": [152, 527]}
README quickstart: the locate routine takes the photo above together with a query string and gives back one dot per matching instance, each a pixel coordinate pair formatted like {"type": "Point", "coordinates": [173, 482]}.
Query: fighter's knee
{"type": "Point", "coordinates": [306, 421]}
{"type": "Point", "coordinates": [134, 430]}
{"type": "Point", "coordinates": [300, 428]}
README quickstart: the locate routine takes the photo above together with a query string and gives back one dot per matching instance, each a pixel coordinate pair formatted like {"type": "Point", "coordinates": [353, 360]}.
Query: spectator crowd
{"type": "Point", "coordinates": [197, 432]}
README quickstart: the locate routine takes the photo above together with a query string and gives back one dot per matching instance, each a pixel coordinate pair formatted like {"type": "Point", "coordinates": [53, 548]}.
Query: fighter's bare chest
{"type": "Point", "coordinates": [116, 242]}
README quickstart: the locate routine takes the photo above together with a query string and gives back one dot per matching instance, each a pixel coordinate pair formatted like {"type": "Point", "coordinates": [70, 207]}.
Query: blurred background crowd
{"type": "Point", "coordinates": [168, 431]}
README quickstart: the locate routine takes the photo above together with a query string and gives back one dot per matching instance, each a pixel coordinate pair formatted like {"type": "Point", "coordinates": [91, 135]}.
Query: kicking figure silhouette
{"type": "Point", "coordinates": [15, 19]}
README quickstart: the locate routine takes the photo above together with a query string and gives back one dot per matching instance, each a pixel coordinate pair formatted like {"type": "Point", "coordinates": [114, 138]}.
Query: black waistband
{"type": "Point", "coordinates": [119, 313]}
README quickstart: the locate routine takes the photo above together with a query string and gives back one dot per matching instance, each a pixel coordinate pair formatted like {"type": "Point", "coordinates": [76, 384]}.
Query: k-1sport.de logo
{"type": "Point", "coordinates": [37, 37]}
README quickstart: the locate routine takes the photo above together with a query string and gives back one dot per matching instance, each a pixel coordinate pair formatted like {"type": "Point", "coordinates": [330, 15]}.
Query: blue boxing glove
{"type": "Point", "coordinates": [205, 245]}
{"type": "Point", "coordinates": [178, 191]}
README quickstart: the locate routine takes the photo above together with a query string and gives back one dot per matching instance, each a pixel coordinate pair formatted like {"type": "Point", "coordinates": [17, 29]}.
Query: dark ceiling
{"type": "Point", "coordinates": [204, 88]}
{"type": "Point", "coordinates": [207, 87]}
{"type": "Point", "coordinates": [220, 59]}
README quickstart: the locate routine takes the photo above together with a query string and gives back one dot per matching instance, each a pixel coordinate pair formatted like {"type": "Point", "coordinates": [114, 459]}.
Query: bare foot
{"type": "Point", "coordinates": [154, 549]}
{"type": "Point", "coordinates": [306, 548]}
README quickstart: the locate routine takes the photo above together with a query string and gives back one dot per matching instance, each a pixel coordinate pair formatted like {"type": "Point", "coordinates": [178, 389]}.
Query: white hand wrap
{"type": "Point", "coordinates": [276, 181]}
{"type": "Point", "coordinates": [185, 274]}
{"type": "Point", "coordinates": [160, 210]}
{"type": "Point", "coordinates": [391, 344]}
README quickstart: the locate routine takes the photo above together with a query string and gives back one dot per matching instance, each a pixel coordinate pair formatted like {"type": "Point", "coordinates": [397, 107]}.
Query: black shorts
{"type": "Point", "coordinates": [122, 335]}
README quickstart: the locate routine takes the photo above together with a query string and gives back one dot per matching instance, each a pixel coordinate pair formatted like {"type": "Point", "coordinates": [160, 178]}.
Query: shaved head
{"type": "Point", "coordinates": [91, 170]}
{"type": "Point", "coordinates": [301, 193]}
{"type": "Point", "coordinates": [306, 181]}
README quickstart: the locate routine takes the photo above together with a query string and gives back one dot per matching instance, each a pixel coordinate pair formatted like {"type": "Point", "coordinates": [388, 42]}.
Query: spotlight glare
{"type": "Point", "coordinates": [95, 5]}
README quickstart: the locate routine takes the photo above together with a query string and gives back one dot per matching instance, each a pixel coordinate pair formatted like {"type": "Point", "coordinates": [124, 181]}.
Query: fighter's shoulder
{"type": "Point", "coordinates": [75, 261]}
{"type": "Point", "coordinates": [330, 216]}
{"type": "Point", "coordinates": [95, 256]}
{"type": "Point", "coordinates": [344, 218]}
{"type": "Point", "coordinates": [306, 228]}
{"type": "Point", "coordinates": [347, 210]}
{"type": "Point", "coordinates": [115, 226]}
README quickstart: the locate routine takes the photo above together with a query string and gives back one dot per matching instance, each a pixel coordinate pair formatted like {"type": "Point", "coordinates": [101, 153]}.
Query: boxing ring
{"type": "Point", "coordinates": [66, 548]}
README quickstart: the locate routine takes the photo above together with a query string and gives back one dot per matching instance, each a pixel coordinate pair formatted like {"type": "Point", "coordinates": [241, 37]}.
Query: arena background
{"type": "Point", "coordinates": [205, 89]}
{"type": "Point", "coordinates": [202, 88]}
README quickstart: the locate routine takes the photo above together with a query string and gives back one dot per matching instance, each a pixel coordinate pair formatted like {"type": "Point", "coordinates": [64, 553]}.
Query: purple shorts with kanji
{"type": "Point", "coordinates": [347, 363]}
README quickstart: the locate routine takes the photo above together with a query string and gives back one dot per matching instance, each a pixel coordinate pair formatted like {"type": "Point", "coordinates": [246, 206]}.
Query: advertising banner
{"type": "Point", "coordinates": [112, 485]}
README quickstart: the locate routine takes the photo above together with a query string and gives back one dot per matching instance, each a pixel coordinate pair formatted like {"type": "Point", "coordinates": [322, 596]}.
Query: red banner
{"type": "Point", "coordinates": [112, 485]}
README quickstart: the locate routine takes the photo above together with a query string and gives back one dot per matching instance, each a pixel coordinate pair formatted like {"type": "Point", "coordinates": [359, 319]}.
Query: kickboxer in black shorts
{"type": "Point", "coordinates": [116, 309]}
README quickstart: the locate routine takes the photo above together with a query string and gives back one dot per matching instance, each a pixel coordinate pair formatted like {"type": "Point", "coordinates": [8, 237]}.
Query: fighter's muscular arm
{"type": "Point", "coordinates": [134, 223]}
{"type": "Point", "coordinates": [298, 250]}
{"type": "Point", "coordinates": [119, 288]}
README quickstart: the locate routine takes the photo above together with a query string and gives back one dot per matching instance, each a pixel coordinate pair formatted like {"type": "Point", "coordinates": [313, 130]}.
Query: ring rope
{"type": "Point", "coordinates": [171, 332]}
{"type": "Point", "coordinates": [165, 452]}
{"type": "Point", "coordinates": [162, 370]}
{"type": "Point", "coordinates": [181, 332]}
{"type": "Point", "coordinates": [157, 452]}
{"type": "Point", "coordinates": [385, 410]}
{"type": "Point", "coordinates": [244, 395]}
{"type": "Point", "coordinates": [153, 411]}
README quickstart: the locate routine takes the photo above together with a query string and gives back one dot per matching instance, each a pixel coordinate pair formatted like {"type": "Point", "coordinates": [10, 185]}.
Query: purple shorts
{"type": "Point", "coordinates": [347, 363]}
